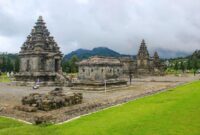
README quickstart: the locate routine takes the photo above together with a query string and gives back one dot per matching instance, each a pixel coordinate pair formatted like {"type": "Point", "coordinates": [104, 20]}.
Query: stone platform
{"type": "Point", "coordinates": [98, 85]}
{"type": "Point", "coordinates": [30, 83]}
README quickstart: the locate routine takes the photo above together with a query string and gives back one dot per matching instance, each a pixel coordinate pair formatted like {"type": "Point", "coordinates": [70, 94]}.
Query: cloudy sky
{"type": "Point", "coordinates": [117, 24]}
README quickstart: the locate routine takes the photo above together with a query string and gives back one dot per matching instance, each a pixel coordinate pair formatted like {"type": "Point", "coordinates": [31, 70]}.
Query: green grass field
{"type": "Point", "coordinates": [174, 112]}
{"type": "Point", "coordinates": [4, 78]}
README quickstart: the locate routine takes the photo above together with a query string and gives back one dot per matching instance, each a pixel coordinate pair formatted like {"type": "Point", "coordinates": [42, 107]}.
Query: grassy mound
{"type": "Point", "coordinates": [174, 112]}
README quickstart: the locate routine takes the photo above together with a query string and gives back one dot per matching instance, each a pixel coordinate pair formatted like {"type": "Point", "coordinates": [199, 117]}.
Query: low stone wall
{"type": "Point", "coordinates": [102, 88]}
{"type": "Point", "coordinates": [98, 85]}
{"type": "Point", "coordinates": [31, 84]}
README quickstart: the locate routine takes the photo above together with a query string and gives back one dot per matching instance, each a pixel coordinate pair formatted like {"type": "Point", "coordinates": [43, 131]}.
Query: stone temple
{"type": "Point", "coordinates": [147, 65]}
{"type": "Point", "coordinates": [95, 70]}
{"type": "Point", "coordinates": [98, 69]}
{"type": "Point", "coordinates": [40, 58]}
{"type": "Point", "coordinates": [143, 59]}
{"type": "Point", "coordinates": [142, 64]}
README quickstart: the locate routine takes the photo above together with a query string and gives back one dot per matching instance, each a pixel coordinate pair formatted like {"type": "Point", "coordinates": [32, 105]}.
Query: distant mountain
{"type": "Point", "coordinates": [99, 51]}
{"type": "Point", "coordinates": [164, 53]}
{"type": "Point", "coordinates": [104, 51]}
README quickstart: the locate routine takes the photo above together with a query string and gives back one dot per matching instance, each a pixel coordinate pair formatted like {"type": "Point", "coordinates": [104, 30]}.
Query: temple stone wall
{"type": "Point", "coordinates": [34, 63]}
{"type": "Point", "coordinates": [100, 68]}
{"type": "Point", "coordinates": [99, 72]}
{"type": "Point", "coordinates": [28, 64]}
{"type": "Point", "coordinates": [50, 65]}
{"type": "Point", "coordinates": [129, 65]}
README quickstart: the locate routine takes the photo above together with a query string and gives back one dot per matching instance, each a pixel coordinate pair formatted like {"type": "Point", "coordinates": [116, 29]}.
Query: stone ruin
{"type": "Point", "coordinates": [53, 100]}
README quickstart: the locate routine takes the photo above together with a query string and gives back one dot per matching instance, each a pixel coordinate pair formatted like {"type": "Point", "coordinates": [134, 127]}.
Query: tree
{"type": "Point", "coordinates": [9, 65]}
{"type": "Point", "coordinates": [66, 67]}
{"type": "Point", "coordinates": [73, 62]}
{"type": "Point", "coordinates": [176, 66]}
{"type": "Point", "coordinates": [189, 66]}
{"type": "Point", "coordinates": [16, 65]}
{"type": "Point", "coordinates": [196, 66]}
{"type": "Point", "coordinates": [182, 66]}
{"type": "Point", "coordinates": [3, 66]}
{"type": "Point", "coordinates": [9, 62]}
{"type": "Point", "coordinates": [70, 66]}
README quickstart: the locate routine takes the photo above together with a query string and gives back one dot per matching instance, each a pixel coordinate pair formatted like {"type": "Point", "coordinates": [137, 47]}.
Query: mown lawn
{"type": "Point", "coordinates": [174, 112]}
{"type": "Point", "coordinates": [4, 78]}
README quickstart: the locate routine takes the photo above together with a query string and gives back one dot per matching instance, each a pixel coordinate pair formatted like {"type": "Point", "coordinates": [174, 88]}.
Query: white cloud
{"type": "Point", "coordinates": [83, 1]}
{"type": "Point", "coordinates": [10, 46]}
{"type": "Point", "coordinates": [117, 24]}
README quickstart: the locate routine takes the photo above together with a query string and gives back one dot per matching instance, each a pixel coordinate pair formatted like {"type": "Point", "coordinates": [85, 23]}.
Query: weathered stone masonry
{"type": "Point", "coordinates": [100, 68]}
{"type": "Point", "coordinates": [40, 57]}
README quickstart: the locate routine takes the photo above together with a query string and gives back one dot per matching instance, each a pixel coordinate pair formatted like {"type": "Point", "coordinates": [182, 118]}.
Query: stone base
{"type": "Point", "coordinates": [89, 88]}
{"type": "Point", "coordinates": [44, 78]}
{"type": "Point", "coordinates": [34, 76]}
{"type": "Point", "coordinates": [98, 85]}
{"type": "Point", "coordinates": [148, 72]}
{"type": "Point", "coordinates": [23, 83]}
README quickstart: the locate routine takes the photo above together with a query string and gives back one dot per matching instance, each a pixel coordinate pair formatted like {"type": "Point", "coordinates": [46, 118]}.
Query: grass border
{"type": "Point", "coordinates": [112, 106]}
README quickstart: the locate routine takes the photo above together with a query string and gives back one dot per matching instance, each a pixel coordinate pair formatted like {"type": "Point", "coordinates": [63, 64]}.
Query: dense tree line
{"type": "Point", "coordinates": [189, 63]}
{"type": "Point", "coordinates": [9, 62]}
{"type": "Point", "coordinates": [70, 66]}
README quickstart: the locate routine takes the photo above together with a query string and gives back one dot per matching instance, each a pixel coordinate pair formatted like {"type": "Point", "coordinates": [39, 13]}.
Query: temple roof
{"type": "Point", "coordinates": [156, 55]}
{"type": "Point", "coordinates": [39, 40]}
{"type": "Point", "coordinates": [100, 60]}
{"type": "Point", "coordinates": [143, 52]}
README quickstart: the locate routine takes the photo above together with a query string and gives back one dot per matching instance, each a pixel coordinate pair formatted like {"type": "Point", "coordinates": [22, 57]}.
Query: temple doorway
{"type": "Point", "coordinates": [56, 65]}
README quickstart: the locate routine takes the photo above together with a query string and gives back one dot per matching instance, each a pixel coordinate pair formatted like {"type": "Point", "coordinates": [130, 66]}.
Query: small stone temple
{"type": "Point", "coordinates": [147, 65]}
{"type": "Point", "coordinates": [40, 57]}
{"type": "Point", "coordinates": [98, 69]}
{"type": "Point", "coordinates": [143, 59]}
{"type": "Point", "coordinates": [143, 64]}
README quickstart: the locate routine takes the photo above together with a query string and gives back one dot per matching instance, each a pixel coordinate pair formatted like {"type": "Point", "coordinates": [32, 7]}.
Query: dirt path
{"type": "Point", "coordinates": [10, 96]}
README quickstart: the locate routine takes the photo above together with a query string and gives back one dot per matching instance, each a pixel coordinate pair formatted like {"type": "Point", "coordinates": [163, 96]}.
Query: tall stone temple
{"type": "Point", "coordinates": [143, 59]}
{"type": "Point", "coordinates": [40, 57]}
{"type": "Point", "coordinates": [147, 65]}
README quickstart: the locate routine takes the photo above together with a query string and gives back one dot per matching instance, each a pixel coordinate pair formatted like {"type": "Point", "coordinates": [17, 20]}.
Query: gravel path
{"type": "Point", "coordinates": [10, 96]}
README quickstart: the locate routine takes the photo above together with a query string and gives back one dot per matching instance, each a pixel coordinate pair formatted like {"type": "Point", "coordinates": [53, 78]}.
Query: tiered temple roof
{"type": "Point", "coordinates": [39, 40]}
{"type": "Point", "coordinates": [156, 57]}
{"type": "Point", "coordinates": [143, 52]}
